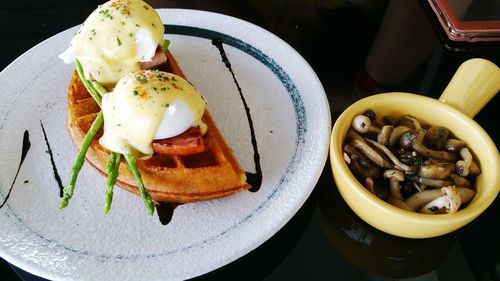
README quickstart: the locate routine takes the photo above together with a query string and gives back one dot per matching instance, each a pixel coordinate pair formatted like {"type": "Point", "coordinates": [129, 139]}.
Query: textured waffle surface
{"type": "Point", "coordinates": [211, 174]}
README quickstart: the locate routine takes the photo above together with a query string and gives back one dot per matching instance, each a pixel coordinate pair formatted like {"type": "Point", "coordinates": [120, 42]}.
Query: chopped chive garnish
{"type": "Point", "coordinates": [106, 14]}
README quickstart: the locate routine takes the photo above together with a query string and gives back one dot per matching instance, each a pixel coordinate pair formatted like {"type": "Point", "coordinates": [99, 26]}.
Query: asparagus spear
{"type": "Point", "coordinates": [132, 166]}
{"type": "Point", "coordinates": [96, 90]}
{"type": "Point", "coordinates": [88, 85]}
{"type": "Point", "coordinates": [112, 170]}
{"type": "Point", "coordinates": [80, 159]}
{"type": "Point", "coordinates": [99, 88]}
{"type": "Point", "coordinates": [113, 162]}
{"type": "Point", "coordinates": [94, 128]}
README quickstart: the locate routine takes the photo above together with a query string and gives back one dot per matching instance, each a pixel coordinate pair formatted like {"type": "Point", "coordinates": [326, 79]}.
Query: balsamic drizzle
{"type": "Point", "coordinates": [24, 152]}
{"type": "Point", "coordinates": [254, 179]}
{"type": "Point", "coordinates": [54, 168]}
{"type": "Point", "coordinates": [165, 211]}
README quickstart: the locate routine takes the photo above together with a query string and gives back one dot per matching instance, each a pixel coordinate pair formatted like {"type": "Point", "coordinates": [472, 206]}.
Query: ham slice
{"type": "Point", "coordinates": [158, 59]}
{"type": "Point", "coordinates": [187, 143]}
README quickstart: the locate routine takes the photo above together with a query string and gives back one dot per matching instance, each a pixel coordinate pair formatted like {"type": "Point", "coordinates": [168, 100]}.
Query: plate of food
{"type": "Point", "coordinates": [154, 144]}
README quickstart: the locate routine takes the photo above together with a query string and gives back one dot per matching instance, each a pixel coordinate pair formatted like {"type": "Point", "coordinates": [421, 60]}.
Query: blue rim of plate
{"type": "Point", "coordinates": [301, 130]}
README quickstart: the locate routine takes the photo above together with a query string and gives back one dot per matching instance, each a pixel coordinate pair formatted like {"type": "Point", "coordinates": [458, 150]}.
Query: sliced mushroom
{"type": "Point", "coordinates": [436, 137]}
{"type": "Point", "coordinates": [408, 188]}
{"type": "Point", "coordinates": [412, 171]}
{"type": "Point", "coordinates": [432, 182]}
{"type": "Point", "coordinates": [359, 164]}
{"type": "Point", "coordinates": [369, 185]}
{"type": "Point", "coordinates": [375, 189]}
{"type": "Point", "coordinates": [370, 114]}
{"type": "Point", "coordinates": [374, 129]}
{"type": "Point", "coordinates": [419, 199]}
{"type": "Point", "coordinates": [396, 134]}
{"type": "Point", "coordinates": [409, 139]}
{"type": "Point", "coordinates": [347, 159]}
{"type": "Point", "coordinates": [460, 181]}
{"type": "Point", "coordinates": [384, 135]}
{"type": "Point", "coordinates": [399, 203]}
{"type": "Point", "coordinates": [362, 171]}
{"type": "Point", "coordinates": [389, 154]}
{"type": "Point", "coordinates": [437, 171]}
{"type": "Point", "coordinates": [435, 161]}
{"type": "Point", "coordinates": [395, 177]}
{"type": "Point", "coordinates": [409, 121]}
{"type": "Point", "coordinates": [474, 169]}
{"type": "Point", "coordinates": [369, 152]}
{"type": "Point", "coordinates": [373, 117]}
{"type": "Point", "coordinates": [454, 145]}
{"type": "Point", "coordinates": [429, 153]}
{"type": "Point", "coordinates": [361, 124]}
{"type": "Point", "coordinates": [390, 120]}
{"type": "Point", "coordinates": [406, 139]}
{"type": "Point", "coordinates": [409, 157]}
{"type": "Point", "coordinates": [420, 188]}
{"type": "Point", "coordinates": [421, 135]}
{"type": "Point", "coordinates": [450, 202]}
{"type": "Point", "coordinates": [466, 194]}
{"type": "Point", "coordinates": [436, 206]}
{"type": "Point", "coordinates": [463, 165]}
{"type": "Point", "coordinates": [454, 200]}
{"type": "Point", "coordinates": [350, 150]}
{"type": "Point", "coordinates": [353, 135]}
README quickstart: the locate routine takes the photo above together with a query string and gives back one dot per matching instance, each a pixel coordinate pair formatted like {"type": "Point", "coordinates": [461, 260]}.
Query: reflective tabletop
{"type": "Point", "coordinates": [357, 48]}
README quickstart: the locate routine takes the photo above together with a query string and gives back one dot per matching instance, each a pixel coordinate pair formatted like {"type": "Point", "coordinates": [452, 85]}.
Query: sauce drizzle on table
{"type": "Point", "coordinates": [254, 179]}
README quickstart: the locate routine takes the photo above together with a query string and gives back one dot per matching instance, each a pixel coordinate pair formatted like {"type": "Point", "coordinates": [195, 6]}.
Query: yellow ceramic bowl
{"type": "Point", "coordinates": [474, 84]}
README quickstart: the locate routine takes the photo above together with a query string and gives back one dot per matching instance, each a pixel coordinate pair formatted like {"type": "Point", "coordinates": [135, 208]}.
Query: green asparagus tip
{"type": "Point", "coordinates": [64, 202]}
{"type": "Point", "coordinates": [107, 202]}
{"type": "Point", "coordinates": [151, 208]}
{"type": "Point", "coordinates": [66, 196]}
{"type": "Point", "coordinates": [132, 166]}
{"type": "Point", "coordinates": [106, 208]}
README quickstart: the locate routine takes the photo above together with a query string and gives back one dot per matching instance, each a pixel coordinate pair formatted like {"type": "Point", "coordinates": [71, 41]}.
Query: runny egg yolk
{"type": "Point", "coordinates": [115, 38]}
{"type": "Point", "coordinates": [148, 105]}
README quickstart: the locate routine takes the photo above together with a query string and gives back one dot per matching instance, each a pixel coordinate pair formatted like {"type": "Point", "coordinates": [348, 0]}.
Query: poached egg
{"type": "Point", "coordinates": [147, 105]}
{"type": "Point", "coordinates": [114, 39]}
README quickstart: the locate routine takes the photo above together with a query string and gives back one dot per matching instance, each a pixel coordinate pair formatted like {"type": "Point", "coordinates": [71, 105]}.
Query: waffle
{"type": "Point", "coordinates": [168, 178]}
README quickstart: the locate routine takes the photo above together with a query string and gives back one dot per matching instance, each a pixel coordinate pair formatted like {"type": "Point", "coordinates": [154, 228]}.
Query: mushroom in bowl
{"type": "Point", "coordinates": [410, 167]}
{"type": "Point", "coordinates": [474, 84]}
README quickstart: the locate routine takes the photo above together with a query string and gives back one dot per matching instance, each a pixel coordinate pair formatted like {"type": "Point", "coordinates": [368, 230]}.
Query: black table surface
{"type": "Point", "coordinates": [325, 240]}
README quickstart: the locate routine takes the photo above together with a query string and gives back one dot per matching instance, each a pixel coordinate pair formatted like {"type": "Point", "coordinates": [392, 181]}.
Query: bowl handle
{"type": "Point", "coordinates": [474, 84]}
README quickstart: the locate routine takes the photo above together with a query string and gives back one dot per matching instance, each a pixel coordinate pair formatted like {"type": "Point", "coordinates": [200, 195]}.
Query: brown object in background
{"type": "Point", "coordinates": [404, 40]}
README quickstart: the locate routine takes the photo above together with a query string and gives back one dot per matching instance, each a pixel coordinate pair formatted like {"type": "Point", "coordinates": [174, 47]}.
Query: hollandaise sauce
{"type": "Point", "coordinates": [115, 38]}
{"type": "Point", "coordinates": [148, 105]}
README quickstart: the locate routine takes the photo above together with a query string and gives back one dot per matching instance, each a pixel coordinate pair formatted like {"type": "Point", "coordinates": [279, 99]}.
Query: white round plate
{"type": "Point", "coordinates": [292, 125]}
